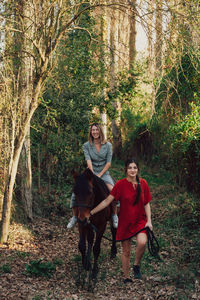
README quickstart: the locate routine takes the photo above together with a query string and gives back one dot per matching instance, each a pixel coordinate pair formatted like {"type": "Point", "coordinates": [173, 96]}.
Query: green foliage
{"type": "Point", "coordinates": [58, 262]}
{"type": "Point", "coordinates": [176, 226]}
{"type": "Point", "coordinates": [5, 268]}
{"type": "Point", "coordinates": [37, 298]}
{"type": "Point", "coordinates": [183, 142]}
{"type": "Point", "coordinates": [185, 130]}
{"type": "Point", "coordinates": [22, 254]}
{"type": "Point", "coordinates": [38, 268]}
{"type": "Point", "coordinates": [175, 124]}
{"type": "Point", "coordinates": [132, 93]}
{"type": "Point", "coordinates": [60, 125]}
{"type": "Point", "coordinates": [123, 91]}
{"type": "Point", "coordinates": [56, 203]}
{"type": "Point", "coordinates": [180, 85]}
{"type": "Point", "coordinates": [139, 143]}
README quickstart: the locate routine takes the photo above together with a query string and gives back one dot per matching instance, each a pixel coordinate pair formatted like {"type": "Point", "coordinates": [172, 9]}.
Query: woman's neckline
{"type": "Point", "coordinates": [97, 146]}
{"type": "Point", "coordinates": [98, 141]}
{"type": "Point", "coordinates": [133, 182]}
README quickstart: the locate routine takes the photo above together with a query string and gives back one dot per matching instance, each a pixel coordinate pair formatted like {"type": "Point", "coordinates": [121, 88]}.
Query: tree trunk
{"type": "Point", "coordinates": [39, 169]}
{"type": "Point", "coordinates": [117, 142]}
{"type": "Point", "coordinates": [26, 176]}
{"type": "Point", "coordinates": [104, 122]}
{"type": "Point", "coordinates": [132, 35]}
{"type": "Point", "coordinates": [158, 27]}
{"type": "Point", "coordinates": [150, 10]}
{"type": "Point", "coordinates": [17, 143]}
{"type": "Point", "coordinates": [7, 200]}
{"type": "Point", "coordinates": [103, 34]}
{"type": "Point", "coordinates": [25, 74]}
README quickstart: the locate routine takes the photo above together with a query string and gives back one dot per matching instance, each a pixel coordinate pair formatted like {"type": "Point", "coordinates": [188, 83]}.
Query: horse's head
{"type": "Point", "coordinates": [84, 194]}
{"type": "Point", "coordinates": [89, 191]}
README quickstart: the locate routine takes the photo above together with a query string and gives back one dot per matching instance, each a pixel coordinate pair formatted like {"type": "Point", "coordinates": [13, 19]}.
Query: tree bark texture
{"type": "Point", "coordinates": [26, 84]}
{"type": "Point", "coordinates": [120, 40]}
{"type": "Point", "coordinates": [158, 28]}
{"type": "Point", "coordinates": [132, 35]}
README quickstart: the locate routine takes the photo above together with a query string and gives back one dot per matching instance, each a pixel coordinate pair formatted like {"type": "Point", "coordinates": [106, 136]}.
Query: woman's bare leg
{"type": "Point", "coordinates": [140, 247]}
{"type": "Point", "coordinates": [126, 252]}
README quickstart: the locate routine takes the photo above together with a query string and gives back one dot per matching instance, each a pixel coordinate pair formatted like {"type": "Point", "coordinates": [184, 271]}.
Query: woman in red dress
{"type": "Point", "coordinates": [135, 213]}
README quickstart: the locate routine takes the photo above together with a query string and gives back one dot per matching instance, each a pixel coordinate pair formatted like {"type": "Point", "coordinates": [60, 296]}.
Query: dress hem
{"type": "Point", "coordinates": [143, 229]}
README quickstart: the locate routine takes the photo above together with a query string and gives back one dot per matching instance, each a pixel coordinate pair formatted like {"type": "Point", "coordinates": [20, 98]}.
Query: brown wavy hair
{"type": "Point", "coordinates": [101, 134]}
{"type": "Point", "coordinates": [139, 190]}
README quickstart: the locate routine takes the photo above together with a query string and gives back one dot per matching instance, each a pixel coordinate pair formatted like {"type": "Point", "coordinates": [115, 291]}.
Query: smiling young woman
{"type": "Point", "coordinates": [98, 155]}
{"type": "Point", "coordinates": [135, 213]}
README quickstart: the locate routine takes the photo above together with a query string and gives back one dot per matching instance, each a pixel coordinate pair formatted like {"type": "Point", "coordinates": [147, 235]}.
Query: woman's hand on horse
{"type": "Point", "coordinates": [89, 217]}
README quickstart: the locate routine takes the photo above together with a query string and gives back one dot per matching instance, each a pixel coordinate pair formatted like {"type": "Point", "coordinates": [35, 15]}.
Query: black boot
{"type": "Point", "coordinates": [127, 280]}
{"type": "Point", "coordinates": [136, 271]}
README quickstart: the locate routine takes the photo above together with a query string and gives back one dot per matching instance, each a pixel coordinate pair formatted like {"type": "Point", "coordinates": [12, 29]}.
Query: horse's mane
{"type": "Point", "coordinates": [83, 188]}
{"type": "Point", "coordinates": [81, 185]}
{"type": "Point", "coordinates": [101, 190]}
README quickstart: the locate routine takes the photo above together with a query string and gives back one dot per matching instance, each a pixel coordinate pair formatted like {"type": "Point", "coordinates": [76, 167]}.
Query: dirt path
{"type": "Point", "coordinates": [52, 242]}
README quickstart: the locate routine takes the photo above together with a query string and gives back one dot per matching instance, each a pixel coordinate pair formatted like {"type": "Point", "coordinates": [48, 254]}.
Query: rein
{"type": "Point", "coordinates": [152, 242]}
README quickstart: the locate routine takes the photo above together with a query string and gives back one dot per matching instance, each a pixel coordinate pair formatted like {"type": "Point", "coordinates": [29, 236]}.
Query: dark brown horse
{"type": "Point", "coordinates": [89, 191]}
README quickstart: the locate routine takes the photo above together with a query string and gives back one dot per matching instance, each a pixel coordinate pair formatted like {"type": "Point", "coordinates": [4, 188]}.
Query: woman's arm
{"type": "Point", "coordinates": [107, 166]}
{"type": "Point", "coordinates": [87, 156]}
{"type": "Point", "coordinates": [102, 205]}
{"type": "Point", "coordinates": [108, 159]}
{"type": "Point", "coordinates": [147, 209]}
{"type": "Point", "coordinates": [89, 164]}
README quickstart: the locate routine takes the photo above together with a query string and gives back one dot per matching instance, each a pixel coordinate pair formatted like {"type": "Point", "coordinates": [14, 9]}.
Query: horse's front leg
{"type": "Point", "coordinates": [113, 247]}
{"type": "Point", "coordinates": [90, 240]}
{"type": "Point", "coordinates": [96, 252]}
{"type": "Point", "coordinates": [82, 247]}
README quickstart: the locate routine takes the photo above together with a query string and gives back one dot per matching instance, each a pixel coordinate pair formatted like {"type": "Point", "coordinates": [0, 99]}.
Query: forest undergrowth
{"type": "Point", "coordinates": [41, 260]}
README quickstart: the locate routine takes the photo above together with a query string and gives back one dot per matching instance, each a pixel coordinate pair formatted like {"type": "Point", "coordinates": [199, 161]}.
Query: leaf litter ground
{"type": "Point", "coordinates": [50, 241]}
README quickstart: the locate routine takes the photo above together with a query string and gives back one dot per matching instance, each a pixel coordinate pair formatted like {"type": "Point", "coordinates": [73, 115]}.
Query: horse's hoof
{"type": "Point", "coordinates": [87, 266]}
{"type": "Point", "coordinates": [113, 255]}
{"type": "Point", "coordinates": [94, 273]}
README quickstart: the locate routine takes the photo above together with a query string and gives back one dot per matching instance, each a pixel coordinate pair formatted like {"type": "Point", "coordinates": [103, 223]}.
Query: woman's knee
{"type": "Point", "coordinates": [141, 240]}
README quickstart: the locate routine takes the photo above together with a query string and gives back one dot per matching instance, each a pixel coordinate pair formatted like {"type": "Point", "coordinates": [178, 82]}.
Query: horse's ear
{"type": "Point", "coordinates": [89, 174]}
{"type": "Point", "coordinates": [74, 174]}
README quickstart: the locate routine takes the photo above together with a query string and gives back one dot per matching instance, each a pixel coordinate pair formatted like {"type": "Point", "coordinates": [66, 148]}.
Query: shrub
{"type": "Point", "coordinates": [39, 268]}
{"type": "Point", "coordinates": [183, 143]}
{"type": "Point", "coordinates": [5, 268]}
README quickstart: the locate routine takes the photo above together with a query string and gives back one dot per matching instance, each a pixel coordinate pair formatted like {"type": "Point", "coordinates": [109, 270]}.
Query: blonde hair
{"type": "Point", "coordinates": [101, 134]}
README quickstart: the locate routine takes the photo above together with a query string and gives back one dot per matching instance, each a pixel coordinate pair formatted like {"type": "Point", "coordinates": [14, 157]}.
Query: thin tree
{"type": "Point", "coordinates": [49, 20]}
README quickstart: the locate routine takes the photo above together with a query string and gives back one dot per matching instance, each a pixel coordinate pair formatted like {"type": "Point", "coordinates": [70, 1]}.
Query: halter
{"type": "Point", "coordinates": [85, 205]}
{"type": "Point", "coordinates": [91, 205]}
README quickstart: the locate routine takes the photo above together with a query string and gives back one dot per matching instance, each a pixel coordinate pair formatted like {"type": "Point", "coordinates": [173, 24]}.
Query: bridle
{"type": "Point", "coordinates": [85, 222]}
{"type": "Point", "coordinates": [86, 205]}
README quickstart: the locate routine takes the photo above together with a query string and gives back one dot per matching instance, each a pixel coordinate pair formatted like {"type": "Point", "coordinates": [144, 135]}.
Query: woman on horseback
{"type": "Point", "coordinates": [98, 155]}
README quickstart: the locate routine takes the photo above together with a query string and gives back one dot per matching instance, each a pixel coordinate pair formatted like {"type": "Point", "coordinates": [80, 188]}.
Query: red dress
{"type": "Point", "coordinates": [132, 218]}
